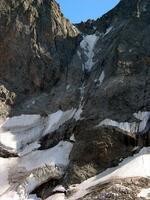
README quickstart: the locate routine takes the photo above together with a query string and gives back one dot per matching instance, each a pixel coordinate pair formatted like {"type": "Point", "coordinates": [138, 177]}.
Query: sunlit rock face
{"type": "Point", "coordinates": [74, 102]}
{"type": "Point", "coordinates": [35, 48]}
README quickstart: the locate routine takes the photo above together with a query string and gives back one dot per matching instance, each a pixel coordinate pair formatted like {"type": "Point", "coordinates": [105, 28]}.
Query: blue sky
{"type": "Point", "coordinates": [81, 10]}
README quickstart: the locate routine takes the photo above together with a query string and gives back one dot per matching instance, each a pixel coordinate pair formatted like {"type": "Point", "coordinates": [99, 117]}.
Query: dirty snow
{"type": "Point", "coordinates": [87, 44]}
{"type": "Point", "coordinates": [136, 166]}
{"type": "Point", "coordinates": [133, 127]}
{"type": "Point", "coordinates": [101, 78]}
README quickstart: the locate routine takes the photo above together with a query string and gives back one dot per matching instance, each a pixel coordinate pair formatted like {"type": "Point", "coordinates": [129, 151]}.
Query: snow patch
{"type": "Point", "coordinates": [108, 30]}
{"type": "Point", "coordinates": [133, 127]}
{"type": "Point", "coordinates": [78, 113]}
{"type": "Point", "coordinates": [100, 80]}
{"type": "Point", "coordinates": [68, 87]}
{"type": "Point", "coordinates": [72, 138]}
{"type": "Point", "coordinates": [87, 44]}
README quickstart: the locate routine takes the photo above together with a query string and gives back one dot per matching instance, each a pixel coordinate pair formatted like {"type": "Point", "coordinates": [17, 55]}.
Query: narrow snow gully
{"type": "Point", "coordinates": [87, 46]}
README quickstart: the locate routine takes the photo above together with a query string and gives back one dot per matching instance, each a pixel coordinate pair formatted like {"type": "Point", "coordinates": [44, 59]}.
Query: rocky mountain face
{"type": "Point", "coordinates": [74, 102]}
{"type": "Point", "coordinates": [37, 43]}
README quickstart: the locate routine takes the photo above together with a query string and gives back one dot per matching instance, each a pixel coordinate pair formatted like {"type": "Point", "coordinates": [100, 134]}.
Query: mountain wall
{"type": "Point", "coordinates": [78, 95]}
